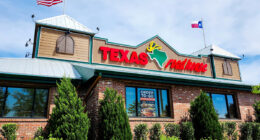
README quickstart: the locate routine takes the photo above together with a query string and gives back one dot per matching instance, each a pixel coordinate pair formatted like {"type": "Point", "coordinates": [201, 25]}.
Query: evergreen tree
{"type": "Point", "coordinates": [256, 107]}
{"type": "Point", "coordinates": [204, 118]}
{"type": "Point", "coordinates": [114, 123]}
{"type": "Point", "coordinates": [68, 120]}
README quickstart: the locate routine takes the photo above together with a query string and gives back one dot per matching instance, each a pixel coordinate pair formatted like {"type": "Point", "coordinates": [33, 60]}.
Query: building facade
{"type": "Point", "coordinates": [157, 82]}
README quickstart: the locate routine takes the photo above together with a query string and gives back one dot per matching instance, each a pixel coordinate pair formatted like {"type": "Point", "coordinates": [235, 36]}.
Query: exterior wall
{"type": "Point", "coordinates": [47, 45]}
{"type": "Point", "coordinates": [152, 65]}
{"type": "Point", "coordinates": [180, 95]}
{"type": "Point", "coordinates": [219, 69]}
{"type": "Point", "coordinates": [28, 126]}
{"type": "Point", "coordinates": [180, 98]}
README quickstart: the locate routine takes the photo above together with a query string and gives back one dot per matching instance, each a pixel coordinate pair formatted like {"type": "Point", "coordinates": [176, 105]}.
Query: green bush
{"type": "Point", "coordinates": [68, 119]}
{"type": "Point", "coordinates": [246, 130]}
{"type": "Point", "coordinates": [114, 122]}
{"type": "Point", "coordinates": [155, 132]}
{"type": "Point", "coordinates": [204, 118]}
{"type": "Point", "coordinates": [39, 138]}
{"type": "Point", "coordinates": [256, 131]}
{"type": "Point", "coordinates": [140, 132]}
{"type": "Point", "coordinates": [229, 130]}
{"type": "Point", "coordinates": [172, 130]}
{"type": "Point", "coordinates": [256, 107]}
{"type": "Point", "coordinates": [39, 133]}
{"type": "Point", "coordinates": [187, 131]}
{"type": "Point", "coordinates": [9, 131]}
{"type": "Point", "coordinates": [163, 137]}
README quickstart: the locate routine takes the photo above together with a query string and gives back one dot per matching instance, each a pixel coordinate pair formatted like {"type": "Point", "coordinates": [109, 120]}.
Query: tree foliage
{"type": "Point", "coordinates": [68, 120]}
{"type": "Point", "coordinates": [114, 123]}
{"type": "Point", "coordinates": [204, 118]}
{"type": "Point", "coordinates": [256, 89]}
{"type": "Point", "coordinates": [256, 107]}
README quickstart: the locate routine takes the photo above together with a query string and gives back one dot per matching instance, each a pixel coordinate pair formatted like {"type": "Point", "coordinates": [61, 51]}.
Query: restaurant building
{"type": "Point", "coordinates": [157, 82]}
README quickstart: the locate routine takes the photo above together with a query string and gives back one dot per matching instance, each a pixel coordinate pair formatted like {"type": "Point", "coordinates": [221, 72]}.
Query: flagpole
{"type": "Point", "coordinates": [203, 33]}
{"type": "Point", "coordinates": [64, 4]}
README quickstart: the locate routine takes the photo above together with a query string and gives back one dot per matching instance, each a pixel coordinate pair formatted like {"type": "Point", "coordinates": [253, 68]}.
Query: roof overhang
{"type": "Point", "coordinates": [156, 76]}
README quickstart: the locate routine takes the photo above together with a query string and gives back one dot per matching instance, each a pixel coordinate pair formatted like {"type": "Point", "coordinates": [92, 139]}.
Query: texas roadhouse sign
{"type": "Point", "coordinates": [153, 53]}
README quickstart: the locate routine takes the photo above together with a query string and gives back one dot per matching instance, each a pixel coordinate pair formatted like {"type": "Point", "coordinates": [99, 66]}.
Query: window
{"type": "Point", "coordinates": [147, 102]}
{"type": "Point", "coordinates": [224, 105]}
{"type": "Point", "coordinates": [65, 44]}
{"type": "Point", "coordinates": [23, 102]}
{"type": "Point", "coordinates": [227, 69]}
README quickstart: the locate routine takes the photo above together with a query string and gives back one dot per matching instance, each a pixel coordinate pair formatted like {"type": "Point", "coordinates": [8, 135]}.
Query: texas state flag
{"type": "Point", "coordinates": [196, 24]}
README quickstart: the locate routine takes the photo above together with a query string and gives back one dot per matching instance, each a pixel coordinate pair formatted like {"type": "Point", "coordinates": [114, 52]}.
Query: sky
{"type": "Point", "coordinates": [230, 24]}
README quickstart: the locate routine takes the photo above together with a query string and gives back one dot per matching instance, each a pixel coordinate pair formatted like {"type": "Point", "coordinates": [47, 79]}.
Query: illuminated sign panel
{"type": "Point", "coordinates": [153, 52]}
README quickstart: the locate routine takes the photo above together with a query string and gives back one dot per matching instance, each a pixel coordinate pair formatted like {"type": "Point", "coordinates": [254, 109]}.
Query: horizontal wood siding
{"type": "Point", "coordinates": [47, 46]}
{"type": "Point", "coordinates": [220, 72]}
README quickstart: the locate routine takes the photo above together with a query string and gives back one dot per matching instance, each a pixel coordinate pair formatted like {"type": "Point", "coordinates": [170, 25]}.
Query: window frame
{"type": "Point", "coordinates": [33, 106]}
{"type": "Point", "coordinates": [227, 106]}
{"type": "Point", "coordinates": [157, 95]}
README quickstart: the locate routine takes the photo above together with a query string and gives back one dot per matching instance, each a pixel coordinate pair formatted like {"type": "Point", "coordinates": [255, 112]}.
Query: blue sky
{"type": "Point", "coordinates": [231, 24]}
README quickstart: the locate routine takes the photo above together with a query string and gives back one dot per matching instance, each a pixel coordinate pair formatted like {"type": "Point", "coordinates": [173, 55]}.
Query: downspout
{"type": "Point", "coordinates": [212, 66]}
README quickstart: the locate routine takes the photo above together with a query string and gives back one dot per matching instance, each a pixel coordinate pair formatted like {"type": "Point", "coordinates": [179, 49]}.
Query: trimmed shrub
{"type": "Point", "coordinates": [172, 130]}
{"type": "Point", "coordinates": [229, 130]}
{"type": "Point", "coordinates": [256, 107]}
{"type": "Point", "coordinates": [39, 138]}
{"type": "Point", "coordinates": [163, 137]}
{"type": "Point", "coordinates": [68, 119]}
{"type": "Point", "coordinates": [155, 132]}
{"type": "Point", "coordinates": [246, 130]}
{"type": "Point", "coordinates": [141, 132]}
{"type": "Point", "coordinates": [187, 131]}
{"type": "Point", "coordinates": [256, 131]}
{"type": "Point", "coordinates": [204, 118]}
{"type": "Point", "coordinates": [9, 131]}
{"type": "Point", "coordinates": [114, 123]}
{"type": "Point", "coordinates": [39, 132]}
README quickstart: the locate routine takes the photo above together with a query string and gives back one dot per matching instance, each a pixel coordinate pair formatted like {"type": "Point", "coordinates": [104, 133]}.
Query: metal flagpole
{"type": "Point", "coordinates": [203, 32]}
{"type": "Point", "coordinates": [64, 6]}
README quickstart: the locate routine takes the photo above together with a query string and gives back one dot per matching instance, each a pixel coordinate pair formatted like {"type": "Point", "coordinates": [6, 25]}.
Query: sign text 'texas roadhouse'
{"type": "Point", "coordinates": [154, 53]}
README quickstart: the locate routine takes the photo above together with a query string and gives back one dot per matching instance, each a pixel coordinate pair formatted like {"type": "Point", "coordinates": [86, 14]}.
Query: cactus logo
{"type": "Point", "coordinates": [155, 53]}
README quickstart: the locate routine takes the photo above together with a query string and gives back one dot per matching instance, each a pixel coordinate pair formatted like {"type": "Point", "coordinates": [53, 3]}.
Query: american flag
{"type": "Point", "coordinates": [48, 2]}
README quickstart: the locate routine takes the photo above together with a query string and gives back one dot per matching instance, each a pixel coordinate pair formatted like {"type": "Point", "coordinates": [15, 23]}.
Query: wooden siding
{"type": "Point", "coordinates": [219, 69]}
{"type": "Point", "coordinates": [47, 46]}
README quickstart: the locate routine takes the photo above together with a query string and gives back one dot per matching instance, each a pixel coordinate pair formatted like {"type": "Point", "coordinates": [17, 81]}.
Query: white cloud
{"type": "Point", "coordinates": [250, 71]}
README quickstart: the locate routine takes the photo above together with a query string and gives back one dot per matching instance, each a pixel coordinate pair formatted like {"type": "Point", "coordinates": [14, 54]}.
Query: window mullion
{"type": "Point", "coordinates": [3, 108]}
{"type": "Point", "coordinates": [158, 104]}
{"type": "Point", "coordinates": [33, 105]}
{"type": "Point", "coordinates": [227, 106]}
{"type": "Point", "coordinates": [136, 103]}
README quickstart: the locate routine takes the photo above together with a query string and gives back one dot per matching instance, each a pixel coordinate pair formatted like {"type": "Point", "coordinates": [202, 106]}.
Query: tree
{"type": "Point", "coordinates": [256, 107]}
{"type": "Point", "coordinates": [114, 123]}
{"type": "Point", "coordinates": [204, 118]}
{"type": "Point", "coordinates": [256, 89]}
{"type": "Point", "coordinates": [68, 120]}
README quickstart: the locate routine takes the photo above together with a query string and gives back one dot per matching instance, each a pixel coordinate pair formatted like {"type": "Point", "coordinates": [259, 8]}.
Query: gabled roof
{"type": "Point", "coordinates": [215, 50]}
{"type": "Point", "coordinates": [65, 22]}
{"type": "Point", "coordinates": [34, 67]}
